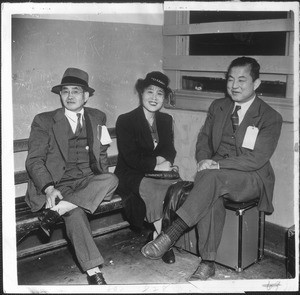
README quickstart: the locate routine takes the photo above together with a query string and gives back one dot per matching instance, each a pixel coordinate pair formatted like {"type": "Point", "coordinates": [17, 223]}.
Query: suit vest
{"type": "Point", "coordinates": [227, 146]}
{"type": "Point", "coordinates": [78, 163]}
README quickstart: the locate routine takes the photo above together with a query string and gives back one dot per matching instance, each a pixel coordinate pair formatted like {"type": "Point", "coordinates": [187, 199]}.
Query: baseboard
{"type": "Point", "coordinates": [275, 239]}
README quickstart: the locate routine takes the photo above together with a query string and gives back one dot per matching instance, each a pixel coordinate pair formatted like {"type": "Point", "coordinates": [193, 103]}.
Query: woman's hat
{"type": "Point", "coordinates": [76, 77]}
{"type": "Point", "coordinates": [156, 78]}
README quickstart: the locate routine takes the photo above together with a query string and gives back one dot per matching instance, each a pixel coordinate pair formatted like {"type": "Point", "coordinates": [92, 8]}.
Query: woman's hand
{"type": "Point", "coordinates": [160, 160]}
{"type": "Point", "coordinates": [164, 166]}
{"type": "Point", "coordinates": [52, 194]}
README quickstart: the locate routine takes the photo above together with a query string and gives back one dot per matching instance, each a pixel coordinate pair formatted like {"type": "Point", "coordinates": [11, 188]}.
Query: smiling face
{"type": "Point", "coordinates": [73, 98]}
{"type": "Point", "coordinates": [240, 84]}
{"type": "Point", "coordinates": [153, 98]}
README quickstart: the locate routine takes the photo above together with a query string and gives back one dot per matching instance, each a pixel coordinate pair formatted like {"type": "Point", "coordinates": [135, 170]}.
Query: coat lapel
{"type": "Point", "coordinates": [93, 131]}
{"type": "Point", "coordinates": [144, 128]}
{"type": "Point", "coordinates": [60, 130]}
{"type": "Point", "coordinates": [221, 116]}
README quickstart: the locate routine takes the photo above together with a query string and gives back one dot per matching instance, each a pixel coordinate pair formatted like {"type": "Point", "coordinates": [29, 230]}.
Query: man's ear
{"type": "Point", "coordinates": [257, 83]}
{"type": "Point", "coordinates": [86, 96]}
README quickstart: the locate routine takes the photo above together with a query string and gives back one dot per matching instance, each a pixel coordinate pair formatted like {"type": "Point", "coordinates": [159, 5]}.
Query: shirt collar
{"type": "Point", "coordinates": [73, 115]}
{"type": "Point", "coordinates": [246, 105]}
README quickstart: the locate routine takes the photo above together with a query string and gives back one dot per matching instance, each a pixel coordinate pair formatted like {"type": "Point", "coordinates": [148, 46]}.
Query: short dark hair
{"type": "Point", "coordinates": [246, 61]}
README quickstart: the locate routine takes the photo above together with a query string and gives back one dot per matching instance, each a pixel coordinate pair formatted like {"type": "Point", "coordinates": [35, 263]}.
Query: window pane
{"type": "Point", "coordinates": [208, 84]}
{"type": "Point", "coordinates": [261, 43]}
{"type": "Point", "coordinates": [197, 17]}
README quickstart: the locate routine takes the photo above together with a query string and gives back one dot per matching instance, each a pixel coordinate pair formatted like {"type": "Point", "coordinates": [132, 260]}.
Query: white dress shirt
{"type": "Point", "coordinates": [244, 108]}
{"type": "Point", "coordinates": [72, 118]}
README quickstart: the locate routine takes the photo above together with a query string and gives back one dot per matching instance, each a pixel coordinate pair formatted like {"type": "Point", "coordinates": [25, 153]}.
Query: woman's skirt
{"type": "Point", "coordinates": [153, 192]}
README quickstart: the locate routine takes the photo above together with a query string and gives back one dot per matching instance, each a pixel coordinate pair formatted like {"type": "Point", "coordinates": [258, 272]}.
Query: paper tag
{"type": "Point", "coordinates": [250, 137]}
{"type": "Point", "coordinates": [105, 137]}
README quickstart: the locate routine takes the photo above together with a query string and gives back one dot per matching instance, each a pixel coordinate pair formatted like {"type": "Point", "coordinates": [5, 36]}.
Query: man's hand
{"type": "Point", "coordinates": [51, 195]}
{"type": "Point", "coordinates": [207, 164]}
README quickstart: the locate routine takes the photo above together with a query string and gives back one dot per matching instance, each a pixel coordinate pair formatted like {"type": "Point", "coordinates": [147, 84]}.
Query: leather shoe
{"type": "Point", "coordinates": [169, 257]}
{"type": "Point", "coordinates": [205, 270]}
{"type": "Point", "coordinates": [96, 279]}
{"type": "Point", "coordinates": [158, 247]}
{"type": "Point", "coordinates": [48, 221]}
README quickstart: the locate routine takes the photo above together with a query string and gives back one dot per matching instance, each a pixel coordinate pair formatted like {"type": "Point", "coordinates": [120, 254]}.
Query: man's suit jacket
{"type": "Point", "coordinates": [136, 149]}
{"type": "Point", "coordinates": [268, 122]}
{"type": "Point", "coordinates": [48, 150]}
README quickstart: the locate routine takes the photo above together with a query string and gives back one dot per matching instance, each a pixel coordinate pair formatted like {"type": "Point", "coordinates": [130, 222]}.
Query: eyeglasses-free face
{"type": "Point", "coordinates": [73, 97]}
{"type": "Point", "coordinates": [240, 84]}
{"type": "Point", "coordinates": [152, 98]}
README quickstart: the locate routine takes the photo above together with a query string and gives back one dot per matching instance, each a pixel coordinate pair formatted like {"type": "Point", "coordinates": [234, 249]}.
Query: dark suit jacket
{"type": "Point", "coordinates": [269, 123]}
{"type": "Point", "coordinates": [48, 150]}
{"type": "Point", "coordinates": [136, 149]}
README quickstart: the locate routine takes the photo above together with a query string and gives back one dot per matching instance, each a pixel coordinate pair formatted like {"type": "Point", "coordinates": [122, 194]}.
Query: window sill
{"type": "Point", "coordinates": [200, 101]}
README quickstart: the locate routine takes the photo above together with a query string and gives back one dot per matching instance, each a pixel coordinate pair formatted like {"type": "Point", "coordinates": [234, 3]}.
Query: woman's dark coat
{"type": "Point", "coordinates": [138, 156]}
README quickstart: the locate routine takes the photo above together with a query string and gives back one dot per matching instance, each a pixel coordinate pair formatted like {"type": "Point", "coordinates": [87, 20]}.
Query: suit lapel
{"type": "Point", "coordinates": [93, 138]}
{"type": "Point", "coordinates": [221, 115]}
{"type": "Point", "coordinates": [60, 130]}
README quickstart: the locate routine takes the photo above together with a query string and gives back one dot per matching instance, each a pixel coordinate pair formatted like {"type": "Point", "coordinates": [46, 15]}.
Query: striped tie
{"type": "Point", "coordinates": [235, 118]}
{"type": "Point", "coordinates": [78, 127]}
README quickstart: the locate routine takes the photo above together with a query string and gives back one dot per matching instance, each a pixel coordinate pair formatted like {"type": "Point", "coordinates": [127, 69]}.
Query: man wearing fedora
{"type": "Point", "coordinates": [68, 168]}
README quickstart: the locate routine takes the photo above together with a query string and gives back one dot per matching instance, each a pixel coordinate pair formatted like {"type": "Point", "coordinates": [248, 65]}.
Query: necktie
{"type": "Point", "coordinates": [235, 118]}
{"type": "Point", "coordinates": [78, 127]}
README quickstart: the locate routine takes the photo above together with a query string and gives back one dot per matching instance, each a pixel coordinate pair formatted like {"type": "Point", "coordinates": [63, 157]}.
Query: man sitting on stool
{"type": "Point", "coordinates": [67, 165]}
{"type": "Point", "coordinates": [233, 154]}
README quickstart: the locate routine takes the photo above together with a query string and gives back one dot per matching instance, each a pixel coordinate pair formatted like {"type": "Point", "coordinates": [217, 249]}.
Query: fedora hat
{"type": "Point", "coordinates": [76, 77]}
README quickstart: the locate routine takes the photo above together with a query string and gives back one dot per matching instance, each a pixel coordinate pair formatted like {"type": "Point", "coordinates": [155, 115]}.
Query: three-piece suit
{"type": "Point", "coordinates": [244, 173]}
{"type": "Point", "coordinates": [75, 165]}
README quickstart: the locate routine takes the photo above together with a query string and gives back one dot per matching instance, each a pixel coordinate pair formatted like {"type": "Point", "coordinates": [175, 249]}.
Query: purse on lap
{"type": "Point", "coordinates": [173, 174]}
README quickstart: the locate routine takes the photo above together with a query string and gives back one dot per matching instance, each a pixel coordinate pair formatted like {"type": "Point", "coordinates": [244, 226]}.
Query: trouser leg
{"type": "Point", "coordinates": [80, 234]}
{"type": "Point", "coordinates": [210, 229]}
{"type": "Point", "coordinates": [204, 207]}
{"type": "Point", "coordinates": [209, 185]}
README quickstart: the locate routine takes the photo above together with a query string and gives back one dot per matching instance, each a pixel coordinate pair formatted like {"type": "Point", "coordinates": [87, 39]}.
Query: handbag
{"type": "Point", "coordinates": [172, 174]}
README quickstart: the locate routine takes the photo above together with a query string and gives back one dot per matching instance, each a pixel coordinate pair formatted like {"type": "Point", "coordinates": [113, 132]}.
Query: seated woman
{"type": "Point", "coordinates": [145, 143]}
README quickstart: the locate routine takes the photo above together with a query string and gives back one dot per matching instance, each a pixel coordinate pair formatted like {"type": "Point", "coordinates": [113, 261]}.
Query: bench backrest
{"type": "Point", "coordinates": [21, 145]}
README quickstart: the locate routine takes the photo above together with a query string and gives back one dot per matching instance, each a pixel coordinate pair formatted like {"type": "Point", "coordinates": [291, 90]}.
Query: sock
{"type": "Point", "coordinates": [176, 229]}
{"type": "Point", "coordinates": [93, 271]}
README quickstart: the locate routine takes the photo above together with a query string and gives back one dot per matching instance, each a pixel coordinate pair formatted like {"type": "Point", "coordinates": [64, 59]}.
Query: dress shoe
{"type": "Point", "coordinates": [97, 279]}
{"type": "Point", "coordinates": [169, 257]}
{"type": "Point", "coordinates": [158, 247]}
{"type": "Point", "coordinates": [48, 221]}
{"type": "Point", "coordinates": [205, 270]}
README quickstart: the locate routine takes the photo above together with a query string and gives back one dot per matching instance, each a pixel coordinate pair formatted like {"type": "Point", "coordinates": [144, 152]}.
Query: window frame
{"type": "Point", "coordinates": [178, 63]}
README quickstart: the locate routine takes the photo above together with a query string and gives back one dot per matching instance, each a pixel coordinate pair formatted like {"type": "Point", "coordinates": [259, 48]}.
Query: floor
{"type": "Point", "coordinates": [125, 265]}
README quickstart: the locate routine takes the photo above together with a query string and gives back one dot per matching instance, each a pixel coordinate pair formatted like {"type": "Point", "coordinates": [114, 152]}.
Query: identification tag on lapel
{"type": "Point", "coordinates": [250, 137]}
{"type": "Point", "coordinates": [104, 137]}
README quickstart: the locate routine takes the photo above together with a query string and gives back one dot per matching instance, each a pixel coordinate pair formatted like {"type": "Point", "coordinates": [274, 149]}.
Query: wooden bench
{"type": "Point", "coordinates": [28, 222]}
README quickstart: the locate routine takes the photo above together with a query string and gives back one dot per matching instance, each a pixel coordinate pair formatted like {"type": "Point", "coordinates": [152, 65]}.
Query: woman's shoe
{"type": "Point", "coordinates": [169, 257]}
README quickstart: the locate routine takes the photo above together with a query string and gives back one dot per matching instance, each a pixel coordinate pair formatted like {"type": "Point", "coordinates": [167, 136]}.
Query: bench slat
{"type": "Point", "coordinates": [62, 242]}
{"type": "Point", "coordinates": [21, 145]}
{"type": "Point", "coordinates": [22, 176]}
{"type": "Point", "coordinates": [27, 221]}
